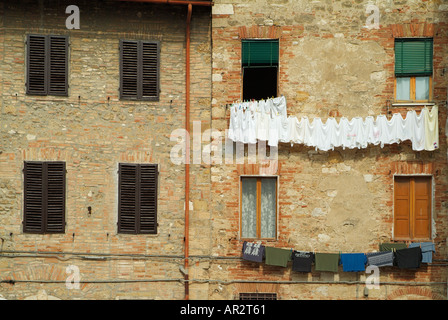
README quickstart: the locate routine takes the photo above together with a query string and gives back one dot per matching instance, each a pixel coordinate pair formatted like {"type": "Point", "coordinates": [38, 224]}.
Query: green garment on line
{"type": "Point", "coordinates": [391, 246]}
{"type": "Point", "coordinates": [277, 256]}
{"type": "Point", "coordinates": [326, 262]}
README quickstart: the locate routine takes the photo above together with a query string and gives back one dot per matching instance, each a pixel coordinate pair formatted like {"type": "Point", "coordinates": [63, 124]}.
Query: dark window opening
{"type": "Point", "coordinates": [259, 83]}
{"type": "Point", "coordinates": [259, 59]}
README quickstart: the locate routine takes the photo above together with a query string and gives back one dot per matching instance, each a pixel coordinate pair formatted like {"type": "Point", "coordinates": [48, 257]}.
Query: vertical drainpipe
{"type": "Point", "coordinates": [187, 149]}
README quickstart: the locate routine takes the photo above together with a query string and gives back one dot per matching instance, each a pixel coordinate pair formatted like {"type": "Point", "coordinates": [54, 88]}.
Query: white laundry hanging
{"type": "Point", "coordinates": [263, 117]}
{"type": "Point", "coordinates": [431, 119]}
{"type": "Point", "coordinates": [267, 120]}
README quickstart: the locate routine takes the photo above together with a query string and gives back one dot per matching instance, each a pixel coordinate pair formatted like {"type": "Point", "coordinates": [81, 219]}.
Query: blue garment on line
{"type": "Point", "coordinates": [353, 262]}
{"type": "Point", "coordinates": [427, 249]}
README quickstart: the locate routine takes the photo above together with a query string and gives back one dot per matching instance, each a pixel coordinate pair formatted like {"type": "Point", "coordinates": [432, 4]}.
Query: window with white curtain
{"type": "Point", "coordinates": [258, 207]}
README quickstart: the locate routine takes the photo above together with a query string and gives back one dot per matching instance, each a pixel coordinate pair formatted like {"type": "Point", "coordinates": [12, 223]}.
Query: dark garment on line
{"type": "Point", "coordinates": [380, 259]}
{"type": "Point", "coordinates": [408, 258]}
{"type": "Point", "coordinates": [391, 246]}
{"type": "Point", "coordinates": [427, 249]}
{"type": "Point", "coordinates": [302, 261]}
{"type": "Point", "coordinates": [353, 262]}
{"type": "Point", "coordinates": [253, 251]}
{"type": "Point", "coordinates": [277, 256]}
{"type": "Point", "coordinates": [326, 262]}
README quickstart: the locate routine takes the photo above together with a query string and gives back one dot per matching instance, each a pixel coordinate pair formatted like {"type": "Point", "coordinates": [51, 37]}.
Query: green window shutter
{"type": "Point", "coordinates": [413, 57]}
{"type": "Point", "coordinates": [260, 53]}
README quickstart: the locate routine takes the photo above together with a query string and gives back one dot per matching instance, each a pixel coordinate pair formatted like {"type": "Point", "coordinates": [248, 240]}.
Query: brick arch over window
{"type": "Point", "coordinates": [36, 271]}
{"type": "Point", "coordinates": [255, 288]}
{"type": "Point", "coordinates": [260, 32]}
{"type": "Point", "coordinates": [260, 60]}
{"type": "Point", "coordinates": [415, 293]}
{"type": "Point", "coordinates": [411, 30]}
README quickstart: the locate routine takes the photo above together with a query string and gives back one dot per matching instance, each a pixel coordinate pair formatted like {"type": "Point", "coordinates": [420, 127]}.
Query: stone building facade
{"type": "Point", "coordinates": [332, 63]}
{"type": "Point", "coordinates": [92, 130]}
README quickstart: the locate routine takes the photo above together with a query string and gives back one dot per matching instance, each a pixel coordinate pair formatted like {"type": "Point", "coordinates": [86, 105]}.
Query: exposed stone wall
{"type": "Point", "coordinates": [330, 65]}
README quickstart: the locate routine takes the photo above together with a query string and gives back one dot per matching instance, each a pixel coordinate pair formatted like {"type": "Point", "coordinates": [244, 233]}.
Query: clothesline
{"type": "Point", "coordinates": [391, 254]}
{"type": "Point", "coordinates": [267, 120]}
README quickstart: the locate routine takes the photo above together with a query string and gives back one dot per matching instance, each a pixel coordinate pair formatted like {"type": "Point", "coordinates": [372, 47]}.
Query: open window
{"type": "Point", "coordinates": [413, 69]}
{"type": "Point", "coordinates": [260, 68]}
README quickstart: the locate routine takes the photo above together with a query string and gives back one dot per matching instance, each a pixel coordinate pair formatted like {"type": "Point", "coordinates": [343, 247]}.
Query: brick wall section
{"type": "Point", "coordinates": [92, 130]}
{"type": "Point", "coordinates": [341, 200]}
{"type": "Point", "coordinates": [329, 201]}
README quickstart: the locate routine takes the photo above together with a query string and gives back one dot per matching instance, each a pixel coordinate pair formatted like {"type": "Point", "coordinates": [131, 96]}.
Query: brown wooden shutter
{"type": "Point", "coordinates": [150, 70]}
{"type": "Point", "coordinates": [55, 217]}
{"type": "Point", "coordinates": [137, 198]}
{"type": "Point", "coordinates": [412, 208]}
{"type": "Point", "coordinates": [58, 65]}
{"type": "Point", "coordinates": [47, 62]}
{"type": "Point", "coordinates": [148, 198]}
{"type": "Point", "coordinates": [402, 202]}
{"type": "Point", "coordinates": [139, 70]}
{"type": "Point", "coordinates": [44, 197]}
{"type": "Point", "coordinates": [422, 207]}
{"type": "Point", "coordinates": [127, 198]}
{"type": "Point", "coordinates": [36, 83]}
{"type": "Point", "coordinates": [34, 204]}
{"type": "Point", "coordinates": [129, 69]}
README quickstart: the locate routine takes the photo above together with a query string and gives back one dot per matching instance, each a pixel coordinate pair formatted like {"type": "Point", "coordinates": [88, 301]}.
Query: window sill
{"type": "Point", "coordinates": [258, 239]}
{"type": "Point", "coordinates": [398, 240]}
{"type": "Point", "coordinates": [400, 104]}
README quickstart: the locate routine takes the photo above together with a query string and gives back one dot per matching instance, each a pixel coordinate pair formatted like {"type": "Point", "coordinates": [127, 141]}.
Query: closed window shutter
{"type": "Point", "coordinates": [36, 64]}
{"type": "Point", "coordinates": [139, 70]}
{"type": "Point", "coordinates": [44, 197]}
{"type": "Point", "coordinates": [47, 65]}
{"type": "Point", "coordinates": [412, 207]}
{"type": "Point", "coordinates": [422, 207]}
{"type": "Point", "coordinates": [413, 57]}
{"type": "Point", "coordinates": [34, 204]}
{"type": "Point", "coordinates": [148, 198]}
{"type": "Point", "coordinates": [55, 218]}
{"type": "Point", "coordinates": [150, 70]}
{"type": "Point", "coordinates": [129, 69]}
{"type": "Point", "coordinates": [260, 53]}
{"type": "Point", "coordinates": [58, 49]}
{"type": "Point", "coordinates": [402, 201]}
{"type": "Point", "coordinates": [127, 198]}
{"type": "Point", "coordinates": [137, 198]}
